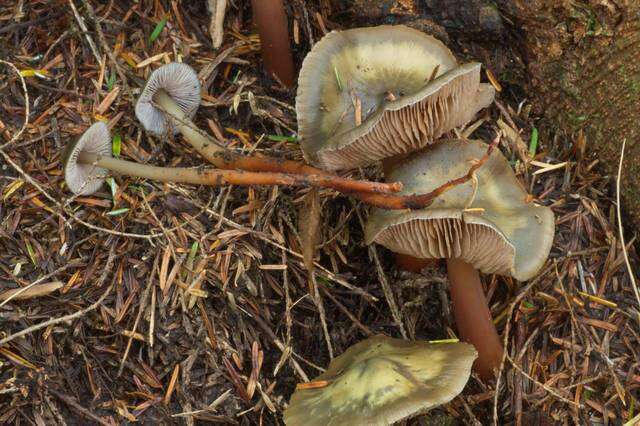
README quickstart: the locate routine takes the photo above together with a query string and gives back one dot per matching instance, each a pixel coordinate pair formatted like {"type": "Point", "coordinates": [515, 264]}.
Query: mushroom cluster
{"type": "Point", "coordinates": [390, 94]}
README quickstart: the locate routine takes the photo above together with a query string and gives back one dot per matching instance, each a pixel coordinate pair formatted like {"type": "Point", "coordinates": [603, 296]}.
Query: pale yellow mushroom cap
{"type": "Point", "coordinates": [499, 230]}
{"type": "Point", "coordinates": [382, 380]}
{"type": "Point", "coordinates": [387, 70]}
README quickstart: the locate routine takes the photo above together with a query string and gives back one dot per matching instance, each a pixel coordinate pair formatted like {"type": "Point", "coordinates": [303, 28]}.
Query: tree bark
{"type": "Point", "coordinates": [583, 60]}
{"type": "Point", "coordinates": [578, 60]}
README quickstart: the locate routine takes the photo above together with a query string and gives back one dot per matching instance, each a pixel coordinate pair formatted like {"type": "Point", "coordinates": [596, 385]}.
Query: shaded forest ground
{"type": "Point", "coordinates": [205, 312]}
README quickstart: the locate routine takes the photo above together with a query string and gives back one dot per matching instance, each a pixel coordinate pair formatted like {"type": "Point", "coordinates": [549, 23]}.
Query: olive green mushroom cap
{"type": "Point", "coordinates": [383, 380]}
{"type": "Point", "coordinates": [406, 85]}
{"type": "Point", "coordinates": [499, 230]}
{"type": "Point", "coordinates": [85, 179]}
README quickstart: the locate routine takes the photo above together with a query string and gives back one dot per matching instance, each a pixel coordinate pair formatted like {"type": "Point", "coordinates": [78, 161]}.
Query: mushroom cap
{"type": "Point", "coordinates": [85, 179]}
{"type": "Point", "coordinates": [383, 380]}
{"type": "Point", "coordinates": [181, 83]}
{"type": "Point", "coordinates": [511, 236]}
{"type": "Point", "coordinates": [367, 64]}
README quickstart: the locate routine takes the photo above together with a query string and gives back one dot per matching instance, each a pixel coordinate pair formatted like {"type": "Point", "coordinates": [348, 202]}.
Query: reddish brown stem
{"type": "Point", "coordinates": [211, 177]}
{"type": "Point", "coordinates": [420, 201]}
{"type": "Point", "coordinates": [473, 317]}
{"type": "Point", "coordinates": [413, 264]}
{"type": "Point", "coordinates": [316, 177]}
{"type": "Point", "coordinates": [271, 20]}
{"type": "Point", "coordinates": [225, 159]}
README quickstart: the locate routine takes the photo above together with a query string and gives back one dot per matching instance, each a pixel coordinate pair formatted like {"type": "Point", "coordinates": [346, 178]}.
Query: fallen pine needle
{"type": "Point", "coordinates": [313, 385]}
{"type": "Point", "coordinates": [598, 300]}
{"type": "Point", "coordinates": [172, 384]}
{"type": "Point", "coordinates": [31, 292]}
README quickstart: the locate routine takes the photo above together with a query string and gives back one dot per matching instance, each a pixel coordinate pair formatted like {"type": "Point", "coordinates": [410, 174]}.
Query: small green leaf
{"type": "Point", "coordinates": [528, 305]}
{"type": "Point", "coordinates": [278, 138]}
{"type": "Point", "coordinates": [193, 252]}
{"type": "Point", "coordinates": [118, 212]}
{"type": "Point", "coordinates": [111, 81]}
{"type": "Point", "coordinates": [158, 29]}
{"type": "Point", "coordinates": [116, 145]}
{"type": "Point", "coordinates": [533, 144]}
{"type": "Point", "coordinates": [113, 185]}
{"type": "Point", "coordinates": [32, 254]}
{"type": "Point", "coordinates": [335, 71]}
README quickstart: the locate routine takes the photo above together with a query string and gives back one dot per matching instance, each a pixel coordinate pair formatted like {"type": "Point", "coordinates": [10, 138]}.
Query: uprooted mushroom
{"type": "Point", "coordinates": [488, 224]}
{"type": "Point", "coordinates": [88, 159]}
{"type": "Point", "coordinates": [380, 381]}
{"type": "Point", "coordinates": [170, 98]}
{"type": "Point", "coordinates": [366, 94]}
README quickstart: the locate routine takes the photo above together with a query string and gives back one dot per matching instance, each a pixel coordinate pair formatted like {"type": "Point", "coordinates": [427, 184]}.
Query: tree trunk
{"type": "Point", "coordinates": [583, 60]}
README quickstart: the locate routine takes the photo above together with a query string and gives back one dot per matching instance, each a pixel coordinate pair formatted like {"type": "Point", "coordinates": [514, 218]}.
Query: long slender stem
{"type": "Point", "coordinates": [225, 159]}
{"type": "Point", "coordinates": [210, 177]}
{"type": "Point", "coordinates": [373, 195]}
{"type": "Point", "coordinates": [271, 20]}
{"type": "Point", "coordinates": [473, 317]}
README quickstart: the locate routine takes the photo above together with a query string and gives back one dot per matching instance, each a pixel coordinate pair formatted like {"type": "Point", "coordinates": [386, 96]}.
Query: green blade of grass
{"type": "Point", "coordinates": [158, 29]}
{"type": "Point", "coordinates": [533, 144]}
{"type": "Point", "coordinates": [116, 145]}
{"type": "Point", "coordinates": [193, 252]}
{"type": "Point", "coordinates": [444, 341]}
{"type": "Point", "coordinates": [338, 80]}
{"type": "Point", "coordinates": [118, 212]}
{"type": "Point", "coordinates": [278, 138]}
{"type": "Point", "coordinates": [113, 186]}
{"type": "Point", "coordinates": [32, 254]}
{"type": "Point", "coordinates": [111, 81]}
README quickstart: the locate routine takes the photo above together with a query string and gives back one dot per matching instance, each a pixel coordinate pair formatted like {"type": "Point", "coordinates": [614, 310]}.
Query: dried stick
{"type": "Point", "coordinates": [217, 9]}
{"type": "Point", "coordinates": [85, 31]}
{"type": "Point", "coordinates": [420, 201]}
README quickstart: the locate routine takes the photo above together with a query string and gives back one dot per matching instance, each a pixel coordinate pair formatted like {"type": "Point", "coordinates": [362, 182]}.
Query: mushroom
{"type": "Point", "coordinates": [179, 82]}
{"type": "Point", "coordinates": [87, 160]}
{"type": "Point", "coordinates": [490, 226]}
{"type": "Point", "coordinates": [271, 20]}
{"type": "Point", "coordinates": [169, 100]}
{"type": "Point", "coordinates": [370, 93]}
{"type": "Point", "coordinates": [380, 381]}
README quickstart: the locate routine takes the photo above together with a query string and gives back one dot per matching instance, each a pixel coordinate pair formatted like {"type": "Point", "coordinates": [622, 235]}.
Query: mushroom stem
{"type": "Point", "coordinates": [473, 317]}
{"type": "Point", "coordinates": [225, 159]}
{"type": "Point", "coordinates": [271, 20]}
{"type": "Point", "coordinates": [184, 175]}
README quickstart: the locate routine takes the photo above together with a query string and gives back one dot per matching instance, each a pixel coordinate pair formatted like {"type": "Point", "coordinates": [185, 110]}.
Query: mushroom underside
{"type": "Point", "coordinates": [181, 83]}
{"type": "Point", "coordinates": [85, 179]}
{"type": "Point", "coordinates": [399, 129]}
{"type": "Point", "coordinates": [477, 244]}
